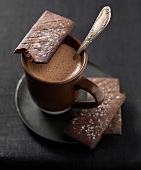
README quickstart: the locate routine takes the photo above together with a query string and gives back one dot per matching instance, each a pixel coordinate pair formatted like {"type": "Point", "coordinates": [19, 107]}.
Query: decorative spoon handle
{"type": "Point", "coordinates": [98, 26]}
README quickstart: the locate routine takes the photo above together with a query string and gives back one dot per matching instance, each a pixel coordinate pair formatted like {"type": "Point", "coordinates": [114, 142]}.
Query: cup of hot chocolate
{"type": "Point", "coordinates": [54, 78]}
{"type": "Point", "coordinates": [54, 86]}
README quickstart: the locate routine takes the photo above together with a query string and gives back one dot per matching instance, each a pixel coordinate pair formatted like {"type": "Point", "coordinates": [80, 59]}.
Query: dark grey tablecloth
{"type": "Point", "coordinates": [116, 50]}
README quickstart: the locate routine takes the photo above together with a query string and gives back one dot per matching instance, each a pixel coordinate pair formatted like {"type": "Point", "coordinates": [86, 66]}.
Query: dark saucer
{"type": "Point", "coordinates": [49, 126]}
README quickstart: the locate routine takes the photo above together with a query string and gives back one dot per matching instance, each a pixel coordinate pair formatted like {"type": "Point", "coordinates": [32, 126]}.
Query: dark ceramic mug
{"type": "Point", "coordinates": [58, 97]}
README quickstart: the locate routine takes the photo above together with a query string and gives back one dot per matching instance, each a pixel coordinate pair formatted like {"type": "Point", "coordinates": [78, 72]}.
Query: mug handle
{"type": "Point", "coordinates": [93, 89]}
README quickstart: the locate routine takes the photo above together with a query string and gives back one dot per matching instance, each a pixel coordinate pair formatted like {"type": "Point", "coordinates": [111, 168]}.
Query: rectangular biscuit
{"type": "Point", "coordinates": [88, 125]}
{"type": "Point", "coordinates": [109, 85]}
{"type": "Point", "coordinates": [44, 37]}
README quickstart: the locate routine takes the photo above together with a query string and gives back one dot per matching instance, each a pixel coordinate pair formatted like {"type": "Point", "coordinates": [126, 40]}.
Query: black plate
{"type": "Point", "coordinates": [49, 126]}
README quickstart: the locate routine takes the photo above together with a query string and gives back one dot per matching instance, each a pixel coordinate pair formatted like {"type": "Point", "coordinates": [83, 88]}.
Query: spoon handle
{"type": "Point", "coordinates": [101, 22]}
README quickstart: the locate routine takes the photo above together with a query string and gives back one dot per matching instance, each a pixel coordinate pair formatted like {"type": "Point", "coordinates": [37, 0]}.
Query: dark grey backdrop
{"type": "Point", "coordinates": [117, 50]}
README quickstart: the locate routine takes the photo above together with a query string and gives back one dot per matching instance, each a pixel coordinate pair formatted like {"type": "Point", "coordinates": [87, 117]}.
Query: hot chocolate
{"type": "Point", "coordinates": [61, 66]}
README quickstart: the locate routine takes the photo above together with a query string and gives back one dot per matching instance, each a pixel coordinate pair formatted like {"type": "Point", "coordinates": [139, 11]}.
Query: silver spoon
{"type": "Point", "coordinates": [100, 23]}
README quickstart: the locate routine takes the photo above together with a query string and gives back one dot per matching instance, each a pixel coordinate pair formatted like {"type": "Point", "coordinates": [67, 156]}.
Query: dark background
{"type": "Point", "coordinates": [117, 50]}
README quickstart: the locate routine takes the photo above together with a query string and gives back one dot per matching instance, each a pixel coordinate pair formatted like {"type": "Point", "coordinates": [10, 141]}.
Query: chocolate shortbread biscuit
{"type": "Point", "coordinates": [45, 36]}
{"type": "Point", "coordinates": [109, 85]}
{"type": "Point", "coordinates": [88, 125]}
